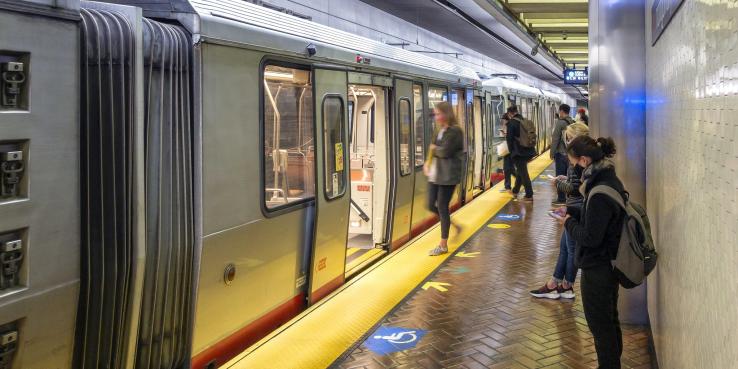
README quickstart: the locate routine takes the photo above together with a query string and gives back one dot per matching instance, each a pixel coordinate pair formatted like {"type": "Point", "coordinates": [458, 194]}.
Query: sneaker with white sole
{"type": "Point", "coordinates": [566, 293]}
{"type": "Point", "coordinates": [439, 250]}
{"type": "Point", "coordinates": [546, 293]}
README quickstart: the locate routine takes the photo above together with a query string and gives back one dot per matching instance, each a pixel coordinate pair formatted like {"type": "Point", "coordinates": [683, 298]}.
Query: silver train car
{"type": "Point", "coordinates": [181, 177]}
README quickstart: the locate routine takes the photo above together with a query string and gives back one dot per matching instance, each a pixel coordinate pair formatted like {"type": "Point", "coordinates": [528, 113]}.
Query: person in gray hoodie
{"type": "Point", "coordinates": [558, 148]}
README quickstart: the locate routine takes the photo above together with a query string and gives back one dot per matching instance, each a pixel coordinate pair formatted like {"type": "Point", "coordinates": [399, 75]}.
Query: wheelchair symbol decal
{"type": "Point", "coordinates": [386, 340]}
{"type": "Point", "coordinates": [399, 338]}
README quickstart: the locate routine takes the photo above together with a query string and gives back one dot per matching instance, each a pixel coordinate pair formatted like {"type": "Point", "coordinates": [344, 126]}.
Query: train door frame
{"type": "Point", "coordinates": [478, 140]}
{"type": "Point", "coordinates": [361, 261]}
{"type": "Point", "coordinates": [330, 228]}
{"type": "Point", "coordinates": [402, 185]}
{"type": "Point", "coordinates": [421, 217]}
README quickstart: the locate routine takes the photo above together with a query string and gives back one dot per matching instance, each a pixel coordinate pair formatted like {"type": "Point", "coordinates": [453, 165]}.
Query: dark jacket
{"type": "Point", "coordinates": [596, 228]}
{"type": "Point", "coordinates": [513, 145]}
{"type": "Point", "coordinates": [447, 156]}
{"type": "Point", "coordinates": [571, 185]}
{"type": "Point", "coordinates": [557, 136]}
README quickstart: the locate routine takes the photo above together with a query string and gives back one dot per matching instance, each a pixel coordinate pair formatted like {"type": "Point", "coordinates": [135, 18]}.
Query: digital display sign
{"type": "Point", "coordinates": [576, 76]}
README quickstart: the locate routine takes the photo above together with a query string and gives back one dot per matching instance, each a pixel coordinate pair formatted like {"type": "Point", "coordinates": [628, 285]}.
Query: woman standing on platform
{"type": "Point", "coordinates": [596, 228]}
{"type": "Point", "coordinates": [561, 284]}
{"type": "Point", "coordinates": [443, 169]}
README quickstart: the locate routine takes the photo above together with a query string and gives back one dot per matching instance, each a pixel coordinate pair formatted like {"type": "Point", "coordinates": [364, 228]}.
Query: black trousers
{"type": "Point", "coordinates": [439, 198]}
{"type": "Point", "coordinates": [600, 301]}
{"type": "Point", "coordinates": [507, 169]}
{"type": "Point", "coordinates": [521, 175]}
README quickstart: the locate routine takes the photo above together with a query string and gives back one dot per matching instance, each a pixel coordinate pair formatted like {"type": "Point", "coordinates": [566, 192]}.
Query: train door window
{"type": "Point", "coordinates": [419, 125]}
{"type": "Point", "coordinates": [498, 109]}
{"type": "Point", "coordinates": [333, 143]}
{"type": "Point", "coordinates": [288, 174]}
{"type": "Point", "coordinates": [435, 95]}
{"type": "Point", "coordinates": [405, 123]}
{"type": "Point", "coordinates": [458, 102]}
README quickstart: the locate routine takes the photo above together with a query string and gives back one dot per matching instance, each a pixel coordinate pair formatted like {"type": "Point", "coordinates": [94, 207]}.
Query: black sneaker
{"type": "Point", "coordinates": [546, 293]}
{"type": "Point", "coordinates": [558, 203]}
{"type": "Point", "coordinates": [567, 293]}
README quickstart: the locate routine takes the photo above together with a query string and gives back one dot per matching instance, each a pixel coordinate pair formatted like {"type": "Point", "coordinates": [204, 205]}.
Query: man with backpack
{"type": "Point", "coordinates": [521, 142]}
{"type": "Point", "coordinates": [558, 148]}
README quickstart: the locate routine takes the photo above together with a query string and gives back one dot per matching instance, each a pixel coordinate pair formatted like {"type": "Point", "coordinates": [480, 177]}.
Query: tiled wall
{"type": "Point", "coordinates": [692, 185]}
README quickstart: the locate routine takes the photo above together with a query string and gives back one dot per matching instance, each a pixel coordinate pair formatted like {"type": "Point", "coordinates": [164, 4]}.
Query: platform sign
{"type": "Point", "coordinates": [662, 11]}
{"type": "Point", "coordinates": [387, 340]}
{"type": "Point", "coordinates": [576, 76]}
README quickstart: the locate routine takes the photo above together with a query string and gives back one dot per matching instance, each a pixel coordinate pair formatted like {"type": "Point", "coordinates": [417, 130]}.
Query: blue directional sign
{"type": "Point", "coordinates": [508, 217]}
{"type": "Point", "coordinates": [576, 76]}
{"type": "Point", "coordinates": [460, 270]}
{"type": "Point", "coordinates": [387, 340]}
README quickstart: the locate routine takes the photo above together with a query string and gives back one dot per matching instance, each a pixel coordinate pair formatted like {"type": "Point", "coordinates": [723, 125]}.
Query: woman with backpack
{"type": "Point", "coordinates": [596, 229]}
{"type": "Point", "coordinates": [561, 284]}
{"type": "Point", "coordinates": [444, 169]}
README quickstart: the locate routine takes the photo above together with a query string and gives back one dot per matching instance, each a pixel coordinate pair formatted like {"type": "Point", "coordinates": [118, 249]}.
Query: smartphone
{"type": "Point", "coordinates": [555, 216]}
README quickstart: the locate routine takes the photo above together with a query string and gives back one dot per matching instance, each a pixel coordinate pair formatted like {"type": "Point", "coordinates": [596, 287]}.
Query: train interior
{"type": "Point", "coordinates": [368, 150]}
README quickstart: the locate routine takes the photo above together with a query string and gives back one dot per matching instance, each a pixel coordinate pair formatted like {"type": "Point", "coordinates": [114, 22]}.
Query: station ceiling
{"type": "Point", "coordinates": [561, 24]}
{"type": "Point", "coordinates": [507, 30]}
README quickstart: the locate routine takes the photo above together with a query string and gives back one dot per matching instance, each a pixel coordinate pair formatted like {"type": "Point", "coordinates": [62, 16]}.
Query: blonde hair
{"type": "Point", "coordinates": [577, 129]}
{"type": "Point", "coordinates": [447, 110]}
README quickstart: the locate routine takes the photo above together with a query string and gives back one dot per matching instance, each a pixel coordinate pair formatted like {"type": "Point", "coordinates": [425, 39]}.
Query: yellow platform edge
{"type": "Point", "coordinates": [322, 333]}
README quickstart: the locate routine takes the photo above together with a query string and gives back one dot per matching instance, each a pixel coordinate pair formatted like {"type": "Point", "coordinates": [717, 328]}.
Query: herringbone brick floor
{"type": "Point", "coordinates": [487, 319]}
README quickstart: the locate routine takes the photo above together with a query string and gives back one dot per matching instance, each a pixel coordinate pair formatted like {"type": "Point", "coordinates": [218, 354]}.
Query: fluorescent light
{"type": "Point", "coordinates": [283, 76]}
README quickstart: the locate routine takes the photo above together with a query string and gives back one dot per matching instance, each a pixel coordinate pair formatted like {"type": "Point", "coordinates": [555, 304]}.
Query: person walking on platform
{"type": "Point", "coordinates": [561, 284]}
{"type": "Point", "coordinates": [596, 229]}
{"type": "Point", "coordinates": [521, 144]}
{"type": "Point", "coordinates": [558, 149]}
{"type": "Point", "coordinates": [443, 169]}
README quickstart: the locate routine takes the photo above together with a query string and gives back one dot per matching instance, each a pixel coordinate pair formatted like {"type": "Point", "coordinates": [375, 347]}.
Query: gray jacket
{"type": "Point", "coordinates": [447, 155]}
{"type": "Point", "coordinates": [557, 138]}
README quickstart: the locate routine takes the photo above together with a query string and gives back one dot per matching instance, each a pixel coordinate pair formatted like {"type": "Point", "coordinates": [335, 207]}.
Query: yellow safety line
{"type": "Point", "coordinates": [352, 250]}
{"type": "Point", "coordinates": [359, 261]}
{"type": "Point", "coordinates": [318, 336]}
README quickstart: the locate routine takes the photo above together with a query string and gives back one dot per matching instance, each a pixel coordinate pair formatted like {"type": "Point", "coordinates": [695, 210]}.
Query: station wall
{"type": "Point", "coordinates": [692, 184]}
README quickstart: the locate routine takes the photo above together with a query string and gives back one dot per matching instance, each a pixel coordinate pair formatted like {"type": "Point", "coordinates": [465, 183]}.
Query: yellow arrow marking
{"type": "Point", "coordinates": [499, 226]}
{"type": "Point", "coordinates": [437, 285]}
{"type": "Point", "coordinates": [467, 254]}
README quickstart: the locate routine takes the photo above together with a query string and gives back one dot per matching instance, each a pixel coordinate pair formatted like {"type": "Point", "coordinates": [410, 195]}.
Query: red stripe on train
{"type": "Point", "coordinates": [234, 344]}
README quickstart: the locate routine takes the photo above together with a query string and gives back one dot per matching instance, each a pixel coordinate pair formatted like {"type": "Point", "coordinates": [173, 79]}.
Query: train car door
{"type": "Point", "coordinates": [478, 144]}
{"type": "Point", "coordinates": [332, 198]}
{"type": "Point", "coordinates": [402, 165]}
{"type": "Point", "coordinates": [489, 134]}
{"type": "Point", "coordinates": [469, 130]}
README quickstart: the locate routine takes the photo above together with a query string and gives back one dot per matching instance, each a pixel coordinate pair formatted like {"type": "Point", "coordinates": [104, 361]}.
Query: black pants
{"type": "Point", "coordinates": [521, 175]}
{"type": "Point", "coordinates": [562, 164]}
{"type": "Point", "coordinates": [439, 198]}
{"type": "Point", "coordinates": [600, 301]}
{"type": "Point", "coordinates": [508, 169]}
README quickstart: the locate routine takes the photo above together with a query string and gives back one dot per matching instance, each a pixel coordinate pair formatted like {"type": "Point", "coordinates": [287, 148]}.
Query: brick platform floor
{"type": "Point", "coordinates": [486, 318]}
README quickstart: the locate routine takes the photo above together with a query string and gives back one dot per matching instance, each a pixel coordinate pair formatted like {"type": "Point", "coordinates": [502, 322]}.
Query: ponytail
{"type": "Point", "coordinates": [603, 147]}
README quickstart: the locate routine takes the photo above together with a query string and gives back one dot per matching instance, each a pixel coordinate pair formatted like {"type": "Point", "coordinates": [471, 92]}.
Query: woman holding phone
{"type": "Point", "coordinates": [561, 284]}
{"type": "Point", "coordinates": [443, 169]}
{"type": "Point", "coordinates": [596, 228]}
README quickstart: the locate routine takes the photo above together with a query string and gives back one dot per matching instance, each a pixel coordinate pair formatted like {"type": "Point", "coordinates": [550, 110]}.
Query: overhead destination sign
{"type": "Point", "coordinates": [576, 76]}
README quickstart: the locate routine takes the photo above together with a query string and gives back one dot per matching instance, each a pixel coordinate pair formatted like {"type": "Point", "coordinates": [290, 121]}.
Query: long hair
{"type": "Point", "coordinates": [448, 111]}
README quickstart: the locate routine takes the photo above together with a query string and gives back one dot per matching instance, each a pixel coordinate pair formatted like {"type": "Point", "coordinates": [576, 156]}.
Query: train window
{"type": "Point", "coordinates": [405, 123]}
{"type": "Point", "coordinates": [288, 136]}
{"type": "Point", "coordinates": [458, 102]}
{"type": "Point", "coordinates": [333, 143]}
{"type": "Point", "coordinates": [351, 121]}
{"type": "Point", "coordinates": [419, 125]}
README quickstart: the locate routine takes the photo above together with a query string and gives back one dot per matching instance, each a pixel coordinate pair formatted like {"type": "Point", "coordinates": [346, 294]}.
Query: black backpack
{"type": "Point", "coordinates": [528, 136]}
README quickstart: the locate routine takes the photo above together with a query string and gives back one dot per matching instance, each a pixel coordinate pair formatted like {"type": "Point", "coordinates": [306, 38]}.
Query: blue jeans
{"type": "Point", "coordinates": [565, 269]}
{"type": "Point", "coordinates": [562, 164]}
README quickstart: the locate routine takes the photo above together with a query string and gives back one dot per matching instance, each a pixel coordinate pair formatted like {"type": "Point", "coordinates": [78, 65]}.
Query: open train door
{"type": "Point", "coordinates": [332, 197]}
{"type": "Point", "coordinates": [402, 161]}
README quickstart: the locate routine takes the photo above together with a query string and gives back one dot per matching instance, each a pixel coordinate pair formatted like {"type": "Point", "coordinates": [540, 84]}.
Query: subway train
{"type": "Point", "coordinates": [181, 177]}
